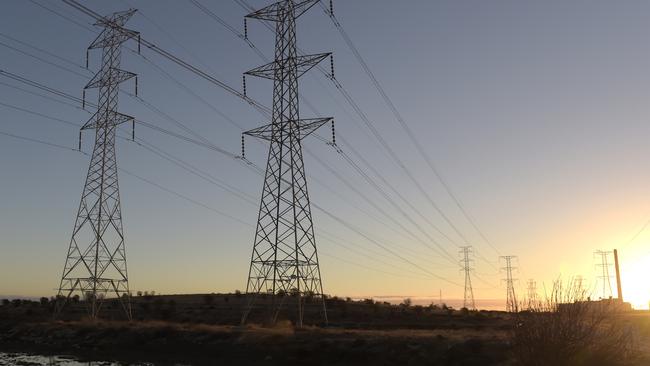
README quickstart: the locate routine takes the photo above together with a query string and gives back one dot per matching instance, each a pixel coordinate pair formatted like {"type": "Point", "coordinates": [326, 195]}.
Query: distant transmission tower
{"type": "Point", "coordinates": [604, 266]}
{"type": "Point", "coordinates": [531, 287]}
{"type": "Point", "coordinates": [511, 298]}
{"type": "Point", "coordinates": [96, 261]}
{"type": "Point", "coordinates": [468, 301]}
{"type": "Point", "coordinates": [284, 261]}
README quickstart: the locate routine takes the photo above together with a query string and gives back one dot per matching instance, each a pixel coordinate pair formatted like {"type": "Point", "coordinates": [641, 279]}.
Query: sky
{"type": "Point", "coordinates": [535, 114]}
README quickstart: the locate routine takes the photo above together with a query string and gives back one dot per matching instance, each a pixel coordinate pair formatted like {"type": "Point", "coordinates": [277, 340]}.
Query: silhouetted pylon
{"type": "Point", "coordinates": [604, 267]}
{"type": "Point", "coordinates": [95, 264]}
{"type": "Point", "coordinates": [511, 298]}
{"type": "Point", "coordinates": [284, 262]}
{"type": "Point", "coordinates": [468, 299]}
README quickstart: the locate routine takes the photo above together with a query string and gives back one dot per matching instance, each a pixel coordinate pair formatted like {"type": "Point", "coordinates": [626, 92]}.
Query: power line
{"type": "Point", "coordinates": [405, 126]}
{"type": "Point", "coordinates": [245, 38]}
{"type": "Point", "coordinates": [43, 51]}
{"type": "Point", "coordinates": [40, 86]}
{"type": "Point", "coordinates": [391, 153]}
{"type": "Point", "coordinates": [168, 55]}
{"type": "Point", "coordinates": [37, 141]}
{"type": "Point", "coordinates": [86, 10]}
{"type": "Point", "coordinates": [636, 235]}
{"type": "Point", "coordinates": [41, 59]}
{"type": "Point", "coordinates": [39, 114]}
{"type": "Point", "coordinates": [219, 212]}
{"type": "Point", "coordinates": [154, 127]}
{"type": "Point", "coordinates": [348, 160]}
{"type": "Point", "coordinates": [254, 46]}
{"type": "Point", "coordinates": [57, 13]}
{"type": "Point", "coordinates": [202, 142]}
{"type": "Point", "coordinates": [201, 174]}
{"type": "Point", "coordinates": [380, 138]}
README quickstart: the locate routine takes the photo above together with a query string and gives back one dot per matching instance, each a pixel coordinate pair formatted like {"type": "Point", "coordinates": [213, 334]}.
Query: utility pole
{"type": "Point", "coordinates": [604, 267]}
{"type": "Point", "coordinates": [511, 298]}
{"type": "Point", "coordinates": [95, 264]}
{"type": "Point", "coordinates": [284, 260]}
{"type": "Point", "coordinates": [619, 289]}
{"type": "Point", "coordinates": [468, 300]}
{"type": "Point", "coordinates": [531, 287]}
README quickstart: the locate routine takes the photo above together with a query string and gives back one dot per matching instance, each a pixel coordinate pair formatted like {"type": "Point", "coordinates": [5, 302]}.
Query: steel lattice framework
{"type": "Point", "coordinates": [284, 262]}
{"type": "Point", "coordinates": [466, 264]}
{"type": "Point", "coordinates": [95, 265]}
{"type": "Point", "coordinates": [511, 298]}
{"type": "Point", "coordinates": [605, 265]}
{"type": "Point", "coordinates": [531, 288]}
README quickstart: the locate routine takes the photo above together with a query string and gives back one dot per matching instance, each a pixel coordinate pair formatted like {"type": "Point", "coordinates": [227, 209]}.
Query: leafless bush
{"type": "Point", "coordinates": [563, 329]}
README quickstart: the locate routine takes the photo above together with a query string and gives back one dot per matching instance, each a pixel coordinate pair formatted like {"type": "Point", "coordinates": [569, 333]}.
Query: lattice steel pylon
{"type": "Point", "coordinates": [511, 298]}
{"type": "Point", "coordinates": [96, 261]}
{"type": "Point", "coordinates": [531, 288]}
{"type": "Point", "coordinates": [466, 266]}
{"type": "Point", "coordinates": [605, 277]}
{"type": "Point", "coordinates": [285, 259]}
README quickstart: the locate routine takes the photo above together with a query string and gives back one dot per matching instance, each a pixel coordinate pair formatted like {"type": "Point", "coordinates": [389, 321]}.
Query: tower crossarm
{"type": "Point", "coordinates": [113, 76]}
{"type": "Point", "coordinates": [117, 19]}
{"type": "Point", "coordinates": [304, 129]}
{"type": "Point", "coordinates": [116, 118]}
{"type": "Point", "coordinates": [114, 23]}
{"type": "Point", "coordinates": [274, 12]}
{"type": "Point", "coordinates": [123, 35]}
{"type": "Point", "coordinates": [273, 69]}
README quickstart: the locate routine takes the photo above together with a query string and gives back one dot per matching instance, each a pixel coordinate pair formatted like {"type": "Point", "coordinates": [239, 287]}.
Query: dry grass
{"type": "Point", "coordinates": [286, 329]}
{"type": "Point", "coordinates": [565, 330]}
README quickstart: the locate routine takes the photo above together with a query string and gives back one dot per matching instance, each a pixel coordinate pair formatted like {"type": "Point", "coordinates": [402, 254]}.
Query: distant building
{"type": "Point", "coordinates": [611, 304]}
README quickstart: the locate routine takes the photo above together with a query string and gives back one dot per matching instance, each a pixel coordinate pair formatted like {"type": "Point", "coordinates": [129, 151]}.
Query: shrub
{"type": "Point", "coordinates": [565, 330]}
{"type": "Point", "coordinates": [208, 299]}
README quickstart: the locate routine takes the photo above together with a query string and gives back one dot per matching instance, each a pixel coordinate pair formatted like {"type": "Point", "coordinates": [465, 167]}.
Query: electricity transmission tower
{"type": "Point", "coordinates": [468, 301]}
{"type": "Point", "coordinates": [284, 262]}
{"type": "Point", "coordinates": [95, 265]}
{"type": "Point", "coordinates": [604, 266]}
{"type": "Point", "coordinates": [511, 298]}
{"type": "Point", "coordinates": [531, 287]}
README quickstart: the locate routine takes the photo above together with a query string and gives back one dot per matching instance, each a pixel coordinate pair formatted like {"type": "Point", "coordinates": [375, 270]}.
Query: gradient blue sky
{"type": "Point", "coordinates": [535, 112]}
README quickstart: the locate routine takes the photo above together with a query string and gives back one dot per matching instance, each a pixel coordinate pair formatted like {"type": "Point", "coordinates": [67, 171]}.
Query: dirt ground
{"type": "Point", "coordinates": [167, 343]}
{"type": "Point", "coordinates": [204, 330]}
